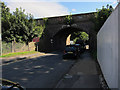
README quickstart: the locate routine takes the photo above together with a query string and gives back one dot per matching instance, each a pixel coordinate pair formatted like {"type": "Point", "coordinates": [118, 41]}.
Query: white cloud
{"type": "Point", "coordinates": [114, 2]}
{"type": "Point", "coordinates": [38, 9]}
{"type": "Point", "coordinates": [73, 10]}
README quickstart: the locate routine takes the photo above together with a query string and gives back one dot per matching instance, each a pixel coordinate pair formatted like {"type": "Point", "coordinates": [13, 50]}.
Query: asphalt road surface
{"type": "Point", "coordinates": [41, 72]}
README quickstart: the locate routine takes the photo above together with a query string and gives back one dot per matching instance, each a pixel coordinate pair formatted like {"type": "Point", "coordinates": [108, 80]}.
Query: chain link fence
{"type": "Point", "coordinates": [16, 47]}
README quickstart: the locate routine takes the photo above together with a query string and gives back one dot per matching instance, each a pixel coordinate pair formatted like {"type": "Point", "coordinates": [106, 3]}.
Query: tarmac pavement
{"type": "Point", "coordinates": [39, 72]}
{"type": "Point", "coordinates": [83, 74]}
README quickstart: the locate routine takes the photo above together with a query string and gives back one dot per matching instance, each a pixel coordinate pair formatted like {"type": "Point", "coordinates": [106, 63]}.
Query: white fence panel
{"type": "Point", "coordinates": [107, 49]}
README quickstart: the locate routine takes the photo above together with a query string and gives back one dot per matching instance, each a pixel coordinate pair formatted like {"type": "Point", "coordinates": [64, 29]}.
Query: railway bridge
{"type": "Point", "coordinates": [57, 30]}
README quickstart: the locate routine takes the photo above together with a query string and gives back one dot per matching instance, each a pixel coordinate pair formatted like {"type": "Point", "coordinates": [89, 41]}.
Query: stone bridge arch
{"type": "Point", "coordinates": [59, 39]}
{"type": "Point", "coordinates": [56, 31]}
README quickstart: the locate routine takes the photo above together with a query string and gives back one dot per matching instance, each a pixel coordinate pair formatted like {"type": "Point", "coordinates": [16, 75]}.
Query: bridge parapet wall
{"type": "Point", "coordinates": [61, 19]}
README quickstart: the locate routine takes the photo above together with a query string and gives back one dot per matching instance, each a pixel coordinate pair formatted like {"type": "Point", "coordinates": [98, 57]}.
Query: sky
{"type": "Point", "coordinates": [52, 8]}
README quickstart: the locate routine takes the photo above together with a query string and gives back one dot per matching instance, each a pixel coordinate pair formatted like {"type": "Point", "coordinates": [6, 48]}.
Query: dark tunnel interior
{"type": "Point", "coordinates": [59, 38]}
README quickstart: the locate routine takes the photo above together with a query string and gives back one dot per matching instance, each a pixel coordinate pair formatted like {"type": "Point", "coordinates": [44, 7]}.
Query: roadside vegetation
{"type": "Point", "coordinates": [101, 16]}
{"type": "Point", "coordinates": [81, 35]}
{"type": "Point", "coordinates": [68, 19]}
{"type": "Point", "coordinates": [19, 26]}
{"type": "Point", "coordinates": [19, 53]}
{"type": "Point", "coordinates": [99, 19]}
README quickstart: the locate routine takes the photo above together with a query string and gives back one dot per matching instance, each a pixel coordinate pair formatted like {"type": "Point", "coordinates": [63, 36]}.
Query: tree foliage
{"type": "Point", "coordinates": [6, 24]}
{"type": "Point", "coordinates": [101, 16]}
{"type": "Point", "coordinates": [45, 20]}
{"type": "Point", "coordinates": [84, 36]}
{"type": "Point", "coordinates": [81, 35]}
{"type": "Point", "coordinates": [19, 26]}
{"type": "Point", "coordinates": [68, 19]}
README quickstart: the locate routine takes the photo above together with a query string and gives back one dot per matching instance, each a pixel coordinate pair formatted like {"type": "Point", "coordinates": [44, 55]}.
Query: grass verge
{"type": "Point", "coordinates": [19, 53]}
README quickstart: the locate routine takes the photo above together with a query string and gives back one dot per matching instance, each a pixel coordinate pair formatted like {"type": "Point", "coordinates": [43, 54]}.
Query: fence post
{"type": "Point", "coordinates": [12, 47]}
{"type": "Point", "coordinates": [28, 47]}
{"type": "Point", "coordinates": [37, 46]}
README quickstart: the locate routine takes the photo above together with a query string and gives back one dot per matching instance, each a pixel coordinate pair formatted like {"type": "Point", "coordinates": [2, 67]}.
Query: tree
{"type": "Point", "coordinates": [45, 20]}
{"type": "Point", "coordinates": [19, 26]}
{"type": "Point", "coordinates": [101, 16]}
{"type": "Point", "coordinates": [6, 24]}
{"type": "Point", "coordinates": [28, 27]}
{"type": "Point", "coordinates": [99, 19]}
{"type": "Point", "coordinates": [32, 29]}
{"type": "Point", "coordinates": [83, 36]}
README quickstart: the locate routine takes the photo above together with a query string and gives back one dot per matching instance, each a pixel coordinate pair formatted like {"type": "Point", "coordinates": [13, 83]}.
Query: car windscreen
{"type": "Point", "coordinates": [70, 49]}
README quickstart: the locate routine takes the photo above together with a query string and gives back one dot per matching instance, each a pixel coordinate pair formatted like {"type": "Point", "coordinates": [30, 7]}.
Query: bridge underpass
{"type": "Point", "coordinates": [56, 31]}
{"type": "Point", "coordinates": [59, 39]}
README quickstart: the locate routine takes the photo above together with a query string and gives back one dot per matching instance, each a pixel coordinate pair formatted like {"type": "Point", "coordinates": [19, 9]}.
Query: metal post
{"type": "Point", "coordinates": [51, 41]}
{"type": "Point", "coordinates": [37, 46]}
{"type": "Point", "coordinates": [12, 46]}
{"type": "Point", "coordinates": [0, 34]}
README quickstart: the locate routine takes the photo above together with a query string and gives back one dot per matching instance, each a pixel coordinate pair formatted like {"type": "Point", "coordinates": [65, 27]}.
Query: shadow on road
{"type": "Point", "coordinates": [41, 72]}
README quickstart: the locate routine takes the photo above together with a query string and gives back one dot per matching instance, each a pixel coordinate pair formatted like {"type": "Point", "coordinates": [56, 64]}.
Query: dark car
{"type": "Point", "coordinates": [78, 46]}
{"type": "Point", "coordinates": [81, 48]}
{"type": "Point", "coordinates": [70, 51]}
